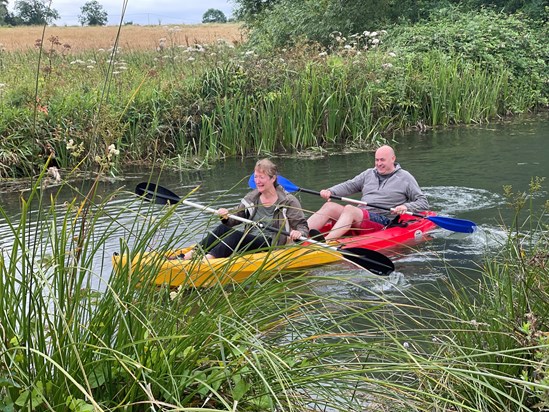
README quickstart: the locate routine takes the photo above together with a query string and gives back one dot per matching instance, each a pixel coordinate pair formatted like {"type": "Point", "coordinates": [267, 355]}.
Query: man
{"type": "Point", "coordinates": [386, 185]}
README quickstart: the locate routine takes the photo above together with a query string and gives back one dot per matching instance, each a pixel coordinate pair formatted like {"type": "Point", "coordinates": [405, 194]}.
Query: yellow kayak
{"type": "Point", "coordinates": [167, 269]}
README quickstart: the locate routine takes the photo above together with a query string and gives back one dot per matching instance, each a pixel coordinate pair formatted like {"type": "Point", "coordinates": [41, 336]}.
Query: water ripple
{"type": "Point", "coordinates": [458, 199]}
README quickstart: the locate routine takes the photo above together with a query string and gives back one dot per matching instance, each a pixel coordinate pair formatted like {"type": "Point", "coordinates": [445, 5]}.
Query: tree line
{"type": "Point", "coordinates": [281, 23]}
{"type": "Point", "coordinates": [39, 12]}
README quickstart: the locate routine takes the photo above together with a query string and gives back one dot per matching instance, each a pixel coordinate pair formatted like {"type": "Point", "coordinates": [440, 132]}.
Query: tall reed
{"type": "Point", "coordinates": [213, 101]}
{"type": "Point", "coordinates": [77, 335]}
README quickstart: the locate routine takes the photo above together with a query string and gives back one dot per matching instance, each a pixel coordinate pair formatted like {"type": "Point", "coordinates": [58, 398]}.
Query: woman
{"type": "Point", "coordinates": [268, 204]}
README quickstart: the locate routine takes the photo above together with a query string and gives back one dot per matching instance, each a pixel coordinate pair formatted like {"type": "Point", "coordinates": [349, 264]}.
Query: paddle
{"type": "Point", "coordinates": [449, 223]}
{"type": "Point", "coordinates": [371, 260]}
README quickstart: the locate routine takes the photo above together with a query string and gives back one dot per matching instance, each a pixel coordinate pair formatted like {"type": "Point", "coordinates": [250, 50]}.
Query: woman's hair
{"type": "Point", "coordinates": [267, 167]}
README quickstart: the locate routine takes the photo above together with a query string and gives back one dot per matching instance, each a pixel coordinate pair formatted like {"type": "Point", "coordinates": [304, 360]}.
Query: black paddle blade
{"type": "Point", "coordinates": [157, 194]}
{"type": "Point", "coordinates": [375, 262]}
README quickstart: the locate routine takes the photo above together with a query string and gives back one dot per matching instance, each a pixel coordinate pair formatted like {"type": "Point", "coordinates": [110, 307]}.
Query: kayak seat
{"type": "Point", "coordinates": [396, 222]}
{"type": "Point", "coordinates": [316, 235]}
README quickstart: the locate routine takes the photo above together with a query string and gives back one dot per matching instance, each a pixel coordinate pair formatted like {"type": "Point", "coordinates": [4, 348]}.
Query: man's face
{"type": "Point", "coordinates": [385, 162]}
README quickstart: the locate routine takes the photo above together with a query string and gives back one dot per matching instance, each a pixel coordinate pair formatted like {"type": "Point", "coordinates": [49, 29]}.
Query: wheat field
{"type": "Point", "coordinates": [132, 37]}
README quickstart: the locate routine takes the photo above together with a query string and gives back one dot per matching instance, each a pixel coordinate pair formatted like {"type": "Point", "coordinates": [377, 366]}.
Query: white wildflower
{"type": "Point", "coordinates": [375, 41]}
{"type": "Point", "coordinates": [322, 54]}
{"type": "Point", "coordinates": [392, 54]}
{"type": "Point", "coordinates": [190, 59]}
{"type": "Point", "coordinates": [347, 47]}
{"type": "Point", "coordinates": [113, 151]}
{"type": "Point", "coordinates": [54, 173]}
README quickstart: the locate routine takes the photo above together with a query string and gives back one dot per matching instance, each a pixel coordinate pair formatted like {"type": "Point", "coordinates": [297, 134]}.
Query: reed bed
{"type": "Point", "coordinates": [187, 102]}
{"type": "Point", "coordinates": [79, 336]}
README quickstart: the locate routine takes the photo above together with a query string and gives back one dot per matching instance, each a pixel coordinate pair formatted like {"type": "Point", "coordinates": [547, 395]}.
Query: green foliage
{"type": "Point", "coordinates": [93, 14]}
{"type": "Point", "coordinates": [214, 16]}
{"type": "Point", "coordinates": [78, 336]}
{"type": "Point", "coordinates": [210, 101]}
{"type": "Point", "coordinates": [283, 23]}
{"type": "Point", "coordinates": [35, 12]}
{"type": "Point", "coordinates": [502, 322]}
{"type": "Point", "coordinates": [3, 11]}
{"type": "Point", "coordinates": [248, 10]}
{"type": "Point", "coordinates": [492, 40]}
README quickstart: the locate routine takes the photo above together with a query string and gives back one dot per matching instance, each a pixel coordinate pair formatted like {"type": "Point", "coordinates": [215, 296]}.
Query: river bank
{"type": "Point", "coordinates": [193, 104]}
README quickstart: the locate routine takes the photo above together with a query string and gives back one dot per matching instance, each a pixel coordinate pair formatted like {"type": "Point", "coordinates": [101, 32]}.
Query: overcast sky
{"type": "Point", "coordinates": [141, 11]}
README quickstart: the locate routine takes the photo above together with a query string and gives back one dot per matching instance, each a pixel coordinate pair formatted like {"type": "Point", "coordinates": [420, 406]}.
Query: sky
{"type": "Point", "coordinates": [156, 12]}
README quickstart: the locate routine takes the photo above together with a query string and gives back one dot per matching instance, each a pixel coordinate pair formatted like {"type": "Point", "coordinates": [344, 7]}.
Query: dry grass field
{"type": "Point", "coordinates": [132, 37]}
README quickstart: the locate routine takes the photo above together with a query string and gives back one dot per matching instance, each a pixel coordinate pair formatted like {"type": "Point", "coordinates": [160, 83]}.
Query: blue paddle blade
{"type": "Point", "coordinates": [282, 181]}
{"type": "Point", "coordinates": [453, 224]}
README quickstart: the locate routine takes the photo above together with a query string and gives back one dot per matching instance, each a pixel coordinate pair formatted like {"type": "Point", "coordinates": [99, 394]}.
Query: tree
{"type": "Point", "coordinates": [92, 14]}
{"type": "Point", "coordinates": [34, 12]}
{"type": "Point", "coordinates": [3, 11]}
{"type": "Point", "coordinates": [248, 10]}
{"type": "Point", "coordinates": [214, 16]}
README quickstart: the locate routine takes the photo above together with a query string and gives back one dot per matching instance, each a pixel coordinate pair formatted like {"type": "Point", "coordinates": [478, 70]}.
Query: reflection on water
{"type": "Point", "coordinates": [462, 171]}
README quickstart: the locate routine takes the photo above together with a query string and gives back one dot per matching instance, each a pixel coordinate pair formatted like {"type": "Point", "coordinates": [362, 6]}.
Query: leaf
{"type": "Point", "coordinates": [240, 388]}
{"type": "Point", "coordinates": [78, 405]}
{"type": "Point", "coordinates": [9, 383]}
{"type": "Point", "coordinates": [97, 378]}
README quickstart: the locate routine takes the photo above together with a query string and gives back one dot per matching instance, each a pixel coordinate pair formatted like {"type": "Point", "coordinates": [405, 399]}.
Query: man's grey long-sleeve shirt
{"type": "Point", "coordinates": [388, 191]}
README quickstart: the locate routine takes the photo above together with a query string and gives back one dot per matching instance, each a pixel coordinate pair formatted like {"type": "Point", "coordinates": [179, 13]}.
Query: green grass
{"type": "Point", "coordinates": [76, 336]}
{"type": "Point", "coordinates": [182, 106]}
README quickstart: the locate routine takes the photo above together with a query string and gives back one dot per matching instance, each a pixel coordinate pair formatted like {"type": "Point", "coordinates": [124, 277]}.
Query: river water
{"type": "Point", "coordinates": [462, 171]}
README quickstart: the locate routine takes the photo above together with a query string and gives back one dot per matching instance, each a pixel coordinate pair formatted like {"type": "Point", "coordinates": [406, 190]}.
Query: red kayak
{"type": "Point", "coordinates": [409, 230]}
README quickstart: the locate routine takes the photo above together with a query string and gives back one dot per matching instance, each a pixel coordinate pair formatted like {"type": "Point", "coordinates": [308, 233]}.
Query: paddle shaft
{"type": "Point", "coordinates": [358, 202]}
{"type": "Point", "coordinates": [257, 224]}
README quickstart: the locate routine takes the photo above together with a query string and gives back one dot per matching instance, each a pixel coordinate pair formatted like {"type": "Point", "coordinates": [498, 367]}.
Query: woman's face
{"type": "Point", "coordinates": [263, 181]}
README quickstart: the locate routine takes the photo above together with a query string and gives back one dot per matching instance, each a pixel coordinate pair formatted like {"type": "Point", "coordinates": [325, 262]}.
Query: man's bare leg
{"type": "Point", "coordinates": [328, 211]}
{"type": "Point", "coordinates": [351, 216]}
